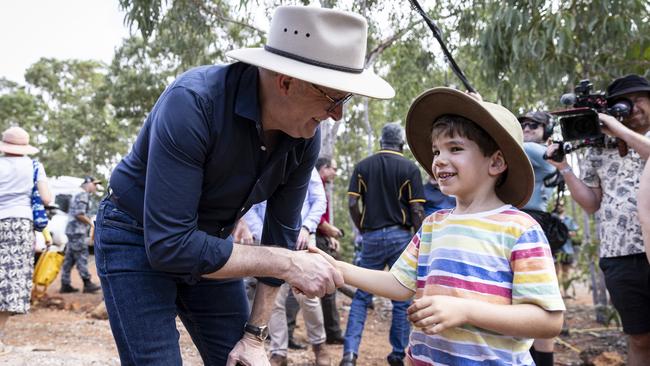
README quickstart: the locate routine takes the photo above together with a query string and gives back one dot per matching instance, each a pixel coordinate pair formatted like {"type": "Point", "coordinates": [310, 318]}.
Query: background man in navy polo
{"type": "Point", "coordinates": [220, 139]}
{"type": "Point", "coordinates": [391, 189]}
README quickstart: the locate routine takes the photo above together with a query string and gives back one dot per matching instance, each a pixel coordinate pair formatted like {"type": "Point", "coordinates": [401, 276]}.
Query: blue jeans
{"type": "Point", "coordinates": [143, 303]}
{"type": "Point", "coordinates": [380, 248]}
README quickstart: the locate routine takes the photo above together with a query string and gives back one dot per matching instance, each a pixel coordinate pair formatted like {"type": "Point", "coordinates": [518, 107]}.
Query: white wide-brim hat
{"type": "Point", "coordinates": [322, 46]}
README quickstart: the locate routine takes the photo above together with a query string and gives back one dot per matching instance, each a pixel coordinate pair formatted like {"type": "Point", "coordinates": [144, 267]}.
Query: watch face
{"type": "Point", "coordinates": [264, 332]}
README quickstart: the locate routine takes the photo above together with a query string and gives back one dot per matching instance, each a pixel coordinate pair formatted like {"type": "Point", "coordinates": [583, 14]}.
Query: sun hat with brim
{"type": "Point", "coordinates": [321, 46]}
{"type": "Point", "coordinates": [496, 120]}
{"type": "Point", "coordinates": [15, 140]}
{"type": "Point", "coordinates": [627, 84]}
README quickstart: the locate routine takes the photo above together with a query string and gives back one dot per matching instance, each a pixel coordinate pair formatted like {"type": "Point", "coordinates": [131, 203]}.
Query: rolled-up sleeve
{"type": "Point", "coordinates": [178, 146]}
{"type": "Point", "coordinates": [315, 203]}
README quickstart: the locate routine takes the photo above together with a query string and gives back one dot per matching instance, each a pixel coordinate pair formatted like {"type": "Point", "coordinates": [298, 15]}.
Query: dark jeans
{"type": "Point", "coordinates": [143, 303]}
{"type": "Point", "coordinates": [380, 248]}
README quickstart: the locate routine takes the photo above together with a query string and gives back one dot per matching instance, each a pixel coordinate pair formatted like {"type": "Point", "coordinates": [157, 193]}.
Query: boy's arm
{"type": "Point", "coordinates": [380, 283]}
{"type": "Point", "coordinates": [436, 313]}
{"type": "Point", "coordinates": [376, 282]}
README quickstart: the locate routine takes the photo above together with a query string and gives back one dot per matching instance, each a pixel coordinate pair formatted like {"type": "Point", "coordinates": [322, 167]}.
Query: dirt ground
{"type": "Point", "coordinates": [65, 334]}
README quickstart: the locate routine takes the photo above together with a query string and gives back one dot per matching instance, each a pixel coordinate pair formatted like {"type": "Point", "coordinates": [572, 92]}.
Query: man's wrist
{"type": "Point", "coordinates": [306, 228]}
{"type": "Point", "coordinates": [253, 339]}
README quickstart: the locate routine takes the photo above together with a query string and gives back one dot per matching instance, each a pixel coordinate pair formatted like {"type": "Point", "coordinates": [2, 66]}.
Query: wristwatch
{"type": "Point", "coordinates": [261, 333]}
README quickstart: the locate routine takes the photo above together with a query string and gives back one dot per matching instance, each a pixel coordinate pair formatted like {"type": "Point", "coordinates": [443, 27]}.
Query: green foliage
{"type": "Point", "coordinates": [66, 115]}
{"type": "Point", "coordinates": [541, 48]}
{"type": "Point", "coordinates": [523, 54]}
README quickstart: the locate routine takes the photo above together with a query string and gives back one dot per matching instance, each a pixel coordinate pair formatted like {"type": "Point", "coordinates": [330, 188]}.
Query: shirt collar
{"type": "Point", "coordinates": [247, 105]}
{"type": "Point", "coordinates": [246, 100]}
{"type": "Point", "coordinates": [387, 151]}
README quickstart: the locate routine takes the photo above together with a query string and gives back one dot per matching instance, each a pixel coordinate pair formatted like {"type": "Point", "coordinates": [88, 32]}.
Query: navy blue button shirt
{"type": "Point", "coordinates": [199, 163]}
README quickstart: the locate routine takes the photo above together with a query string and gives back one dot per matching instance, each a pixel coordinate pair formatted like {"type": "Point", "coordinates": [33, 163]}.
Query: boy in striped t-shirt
{"type": "Point", "coordinates": [481, 274]}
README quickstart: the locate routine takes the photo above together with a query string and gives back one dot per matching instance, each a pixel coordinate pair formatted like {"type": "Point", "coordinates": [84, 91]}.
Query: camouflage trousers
{"type": "Point", "coordinates": [76, 252]}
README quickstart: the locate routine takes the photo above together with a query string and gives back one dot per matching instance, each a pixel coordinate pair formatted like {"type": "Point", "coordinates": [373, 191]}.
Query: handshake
{"type": "Point", "coordinates": [336, 273]}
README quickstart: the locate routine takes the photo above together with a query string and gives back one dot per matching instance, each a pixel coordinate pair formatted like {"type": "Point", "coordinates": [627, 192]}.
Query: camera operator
{"type": "Point", "coordinates": [537, 127]}
{"type": "Point", "coordinates": [608, 188]}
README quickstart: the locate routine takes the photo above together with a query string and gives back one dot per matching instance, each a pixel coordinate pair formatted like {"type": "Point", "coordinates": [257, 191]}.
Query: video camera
{"type": "Point", "coordinates": [580, 125]}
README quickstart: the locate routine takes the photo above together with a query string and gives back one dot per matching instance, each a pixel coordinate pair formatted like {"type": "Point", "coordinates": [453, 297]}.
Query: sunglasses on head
{"type": "Point", "coordinates": [530, 125]}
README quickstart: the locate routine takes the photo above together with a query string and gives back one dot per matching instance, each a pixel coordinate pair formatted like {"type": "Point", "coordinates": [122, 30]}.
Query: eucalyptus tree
{"type": "Point", "coordinates": [63, 109]}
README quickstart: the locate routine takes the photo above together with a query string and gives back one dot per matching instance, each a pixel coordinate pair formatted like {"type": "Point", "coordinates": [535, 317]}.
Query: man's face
{"type": "Point", "coordinates": [91, 187]}
{"type": "Point", "coordinates": [328, 173]}
{"type": "Point", "coordinates": [533, 131]}
{"type": "Point", "coordinates": [310, 105]}
{"type": "Point", "coordinates": [639, 120]}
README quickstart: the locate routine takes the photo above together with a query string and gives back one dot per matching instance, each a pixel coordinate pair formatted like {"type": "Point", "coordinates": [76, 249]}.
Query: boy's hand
{"type": "Point", "coordinates": [433, 314]}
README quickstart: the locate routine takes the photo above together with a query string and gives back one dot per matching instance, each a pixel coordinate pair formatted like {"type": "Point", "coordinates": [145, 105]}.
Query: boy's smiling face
{"type": "Point", "coordinates": [460, 167]}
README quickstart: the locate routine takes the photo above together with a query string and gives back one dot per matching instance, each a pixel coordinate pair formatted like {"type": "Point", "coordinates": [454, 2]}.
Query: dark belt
{"type": "Point", "coordinates": [390, 227]}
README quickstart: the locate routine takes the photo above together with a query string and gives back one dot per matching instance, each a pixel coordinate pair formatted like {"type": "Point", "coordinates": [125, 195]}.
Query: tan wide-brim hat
{"type": "Point", "coordinates": [322, 46]}
{"type": "Point", "coordinates": [496, 120]}
{"type": "Point", "coordinates": [15, 140]}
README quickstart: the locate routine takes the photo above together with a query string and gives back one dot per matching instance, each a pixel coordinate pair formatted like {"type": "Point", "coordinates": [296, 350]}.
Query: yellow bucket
{"type": "Point", "coordinates": [47, 268]}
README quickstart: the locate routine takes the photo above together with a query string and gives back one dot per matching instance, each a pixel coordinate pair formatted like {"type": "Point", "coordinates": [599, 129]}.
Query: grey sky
{"type": "Point", "coordinates": [63, 29]}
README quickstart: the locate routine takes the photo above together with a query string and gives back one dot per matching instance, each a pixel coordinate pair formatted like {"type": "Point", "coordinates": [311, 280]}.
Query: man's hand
{"type": "Point", "coordinates": [611, 125]}
{"type": "Point", "coordinates": [475, 95]}
{"type": "Point", "coordinates": [334, 244]}
{"type": "Point", "coordinates": [248, 351]}
{"type": "Point", "coordinates": [312, 274]}
{"type": "Point", "coordinates": [433, 314]}
{"type": "Point", "coordinates": [550, 150]}
{"type": "Point", "coordinates": [330, 230]}
{"type": "Point", "coordinates": [242, 233]}
{"type": "Point", "coordinates": [303, 239]}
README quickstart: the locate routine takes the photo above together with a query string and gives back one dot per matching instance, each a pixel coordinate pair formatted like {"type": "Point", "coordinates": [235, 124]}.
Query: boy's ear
{"type": "Point", "coordinates": [498, 164]}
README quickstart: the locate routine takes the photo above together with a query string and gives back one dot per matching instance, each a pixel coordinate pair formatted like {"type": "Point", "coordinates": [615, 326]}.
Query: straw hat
{"type": "Point", "coordinates": [322, 46]}
{"type": "Point", "coordinates": [496, 120]}
{"type": "Point", "coordinates": [15, 140]}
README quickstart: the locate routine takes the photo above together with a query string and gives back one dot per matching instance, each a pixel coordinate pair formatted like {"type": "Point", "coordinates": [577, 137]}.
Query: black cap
{"type": "Point", "coordinates": [626, 85]}
{"type": "Point", "coordinates": [535, 116]}
{"type": "Point", "coordinates": [89, 179]}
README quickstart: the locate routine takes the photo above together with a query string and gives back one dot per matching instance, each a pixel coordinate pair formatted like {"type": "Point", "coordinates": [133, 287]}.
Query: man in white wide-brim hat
{"type": "Point", "coordinates": [219, 139]}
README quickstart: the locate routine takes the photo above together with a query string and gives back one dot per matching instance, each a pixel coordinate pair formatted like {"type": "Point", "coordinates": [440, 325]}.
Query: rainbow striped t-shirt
{"type": "Point", "coordinates": [499, 256]}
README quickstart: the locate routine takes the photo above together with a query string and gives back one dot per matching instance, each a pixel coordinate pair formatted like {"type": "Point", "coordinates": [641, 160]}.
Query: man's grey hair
{"type": "Point", "coordinates": [392, 134]}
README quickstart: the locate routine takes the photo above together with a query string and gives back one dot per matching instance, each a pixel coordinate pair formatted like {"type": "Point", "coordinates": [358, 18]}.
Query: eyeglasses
{"type": "Point", "coordinates": [531, 125]}
{"type": "Point", "coordinates": [335, 102]}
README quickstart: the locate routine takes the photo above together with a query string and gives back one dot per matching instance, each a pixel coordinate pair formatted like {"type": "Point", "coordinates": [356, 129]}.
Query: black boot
{"type": "Point", "coordinates": [349, 359]}
{"type": "Point", "coordinates": [90, 287]}
{"type": "Point", "coordinates": [67, 289]}
{"type": "Point", "coordinates": [293, 344]}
